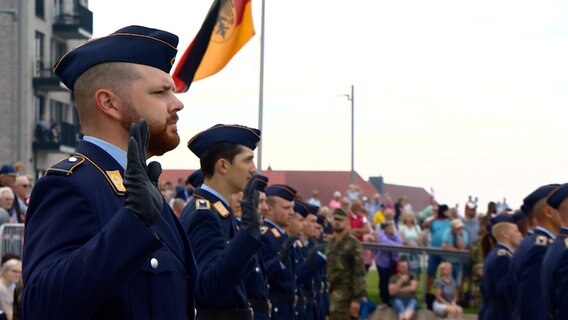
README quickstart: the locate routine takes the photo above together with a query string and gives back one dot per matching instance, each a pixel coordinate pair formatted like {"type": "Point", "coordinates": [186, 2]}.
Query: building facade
{"type": "Point", "coordinates": [38, 123]}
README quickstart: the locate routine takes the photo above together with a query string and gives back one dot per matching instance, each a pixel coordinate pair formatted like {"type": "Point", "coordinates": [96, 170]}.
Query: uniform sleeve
{"type": "Point", "coordinates": [67, 244]}
{"type": "Point", "coordinates": [270, 253]}
{"type": "Point", "coordinates": [221, 266]}
{"type": "Point", "coordinates": [560, 282]}
{"type": "Point", "coordinates": [359, 272]}
{"type": "Point", "coordinates": [502, 277]}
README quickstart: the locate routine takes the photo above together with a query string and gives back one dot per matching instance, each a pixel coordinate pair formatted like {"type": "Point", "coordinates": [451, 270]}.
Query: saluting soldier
{"type": "Point", "coordinates": [277, 253]}
{"type": "Point", "coordinates": [320, 279]}
{"type": "Point", "coordinates": [294, 229]}
{"type": "Point", "coordinates": [527, 260]}
{"type": "Point", "coordinates": [223, 253]}
{"type": "Point", "coordinates": [345, 270]}
{"type": "Point", "coordinates": [101, 242]}
{"type": "Point", "coordinates": [496, 282]}
{"type": "Point", "coordinates": [554, 270]}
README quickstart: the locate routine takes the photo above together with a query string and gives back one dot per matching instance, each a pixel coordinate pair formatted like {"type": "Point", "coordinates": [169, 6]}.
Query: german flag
{"type": "Point", "coordinates": [226, 29]}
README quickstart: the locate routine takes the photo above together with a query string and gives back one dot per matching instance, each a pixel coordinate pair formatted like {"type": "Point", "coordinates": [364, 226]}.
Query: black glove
{"type": "Point", "coordinates": [142, 195]}
{"type": "Point", "coordinates": [287, 247]}
{"type": "Point", "coordinates": [320, 247]}
{"type": "Point", "coordinates": [250, 219]}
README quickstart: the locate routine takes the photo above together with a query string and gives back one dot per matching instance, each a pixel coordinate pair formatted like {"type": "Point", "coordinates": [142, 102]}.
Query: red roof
{"type": "Point", "coordinates": [326, 182]}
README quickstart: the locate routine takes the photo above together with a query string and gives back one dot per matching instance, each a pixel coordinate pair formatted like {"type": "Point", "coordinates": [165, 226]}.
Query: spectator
{"type": "Point", "coordinates": [177, 206]}
{"type": "Point", "coordinates": [6, 202]}
{"type": "Point", "coordinates": [22, 188]}
{"type": "Point", "coordinates": [453, 239]}
{"type": "Point", "coordinates": [10, 274]}
{"type": "Point", "coordinates": [361, 229]}
{"type": "Point", "coordinates": [471, 226]}
{"type": "Point", "coordinates": [437, 227]}
{"type": "Point", "coordinates": [375, 205]}
{"type": "Point", "coordinates": [335, 202]}
{"type": "Point", "coordinates": [314, 200]}
{"type": "Point", "coordinates": [379, 216]}
{"type": "Point", "coordinates": [410, 232]}
{"type": "Point", "coordinates": [386, 260]}
{"type": "Point", "coordinates": [327, 222]}
{"type": "Point", "coordinates": [445, 304]}
{"type": "Point", "coordinates": [353, 193]}
{"type": "Point", "coordinates": [402, 289]}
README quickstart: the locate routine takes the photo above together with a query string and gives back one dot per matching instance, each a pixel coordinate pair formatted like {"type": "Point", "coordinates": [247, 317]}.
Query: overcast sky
{"type": "Point", "coordinates": [466, 98]}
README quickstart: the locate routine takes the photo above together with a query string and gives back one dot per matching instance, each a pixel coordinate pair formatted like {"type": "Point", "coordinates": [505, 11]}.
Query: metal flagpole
{"type": "Point", "coordinates": [261, 89]}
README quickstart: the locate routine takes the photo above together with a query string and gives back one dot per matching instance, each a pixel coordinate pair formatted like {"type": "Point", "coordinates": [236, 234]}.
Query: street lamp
{"type": "Point", "coordinates": [351, 98]}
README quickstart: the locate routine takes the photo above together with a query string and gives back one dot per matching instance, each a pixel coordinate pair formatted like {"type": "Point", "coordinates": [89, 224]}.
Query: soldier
{"type": "Point", "coordinates": [276, 251]}
{"type": "Point", "coordinates": [98, 246]}
{"type": "Point", "coordinates": [345, 270]}
{"type": "Point", "coordinates": [554, 270]}
{"type": "Point", "coordinates": [223, 253]}
{"type": "Point", "coordinates": [527, 260]}
{"type": "Point", "coordinates": [496, 283]}
{"type": "Point", "coordinates": [311, 258]}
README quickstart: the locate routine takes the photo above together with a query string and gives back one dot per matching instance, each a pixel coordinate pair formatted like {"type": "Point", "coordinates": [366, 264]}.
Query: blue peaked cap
{"type": "Point", "coordinates": [135, 44]}
{"type": "Point", "coordinates": [195, 178]}
{"type": "Point", "coordinates": [221, 133]}
{"type": "Point", "coordinates": [537, 195]}
{"type": "Point", "coordinates": [557, 196]}
{"type": "Point", "coordinates": [281, 190]}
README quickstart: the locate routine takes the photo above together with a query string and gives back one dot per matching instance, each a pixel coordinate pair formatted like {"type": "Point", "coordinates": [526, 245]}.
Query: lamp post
{"type": "Point", "coordinates": [351, 97]}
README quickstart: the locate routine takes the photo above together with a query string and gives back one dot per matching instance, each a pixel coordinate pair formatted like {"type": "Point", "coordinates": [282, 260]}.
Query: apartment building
{"type": "Point", "coordinates": [38, 123]}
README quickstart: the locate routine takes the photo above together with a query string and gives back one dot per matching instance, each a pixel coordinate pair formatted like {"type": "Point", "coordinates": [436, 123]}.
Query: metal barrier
{"type": "Point", "coordinates": [462, 254]}
{"type": "Point", "coordinates": [12, 238]}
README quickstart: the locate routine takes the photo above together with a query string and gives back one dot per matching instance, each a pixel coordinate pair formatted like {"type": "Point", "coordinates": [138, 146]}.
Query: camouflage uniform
{"type": "Point", "coordinates": [346, 275]}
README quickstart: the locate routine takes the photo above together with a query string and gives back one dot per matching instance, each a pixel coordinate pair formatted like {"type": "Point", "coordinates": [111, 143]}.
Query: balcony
{"type": "Point", "coordinates": [56, 137]}
{"type": "Point", "coordinates": [45, 79]}
{"type": "Point", "coordinates": [76, 23]}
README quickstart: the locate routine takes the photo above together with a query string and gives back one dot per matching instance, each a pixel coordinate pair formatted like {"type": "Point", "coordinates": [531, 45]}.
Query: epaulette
{"type": "Point", "coordinates": [542, 241]}
{"type": "Point", "coordinates": [263, 229]}
{"type": "Point", "coordinates": [503, 252]}
{"type": "Point", "coordinates": [299, 243]}
{"type": "Point", "coordinates": [202, 204]}
{"type": "Point", "coordinates": [275, 232]}
{"type": "Point", "coordinates": [65, 167]}
{"type": "Point", "coordinates": [220, 208]}
{"type": "Point", "coordinates": [566, 242]}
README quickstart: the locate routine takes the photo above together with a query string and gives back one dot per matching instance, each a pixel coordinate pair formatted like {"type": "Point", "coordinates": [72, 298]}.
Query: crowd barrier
{"type": "Point", "coordinates": [12, 238]}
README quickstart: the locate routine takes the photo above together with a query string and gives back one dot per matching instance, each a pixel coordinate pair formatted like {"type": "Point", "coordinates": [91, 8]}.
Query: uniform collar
{"type": "Point", "coordinates": [545, 232]}
{"type": "Point", "coordinates": [504, 246]}
{"type": "Point", "coordinates": [272, 224]}
{"type": "Point", "coordinates": [215, 193]}
{"type": "Point", "coordinates": [564, 231]}
{"type": "Point", "coordinates": [115, 152]}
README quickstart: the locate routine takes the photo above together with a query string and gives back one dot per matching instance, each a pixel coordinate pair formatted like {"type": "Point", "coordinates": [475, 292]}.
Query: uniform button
{"type": "Point", "coordinates": [73, 159]}
{"type": "Point", "coordinates": [275, 309]}
{"type": "Point", "coordinates": [257, 269]}
{"type": "Point", "coordinates": [228, 241]}
{"type": "Point", "coordinates": [154, 263]}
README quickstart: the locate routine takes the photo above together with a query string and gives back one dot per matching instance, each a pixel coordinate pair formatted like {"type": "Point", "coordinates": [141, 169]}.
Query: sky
{"type": "Point", "coordinates": [466, 98]}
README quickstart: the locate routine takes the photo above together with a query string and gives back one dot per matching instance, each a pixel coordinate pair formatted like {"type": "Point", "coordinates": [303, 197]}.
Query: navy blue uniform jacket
{"type": "Point", "coordinates": [554, 277]}
{"type": "Point", "coordinates": [222, 253]}
{"type": "Point", "coordinates": [87, 257]}
{"type": "Point", "coordinates": [496, 285]}
{"type": "Point", "coordinates": [525, 270]}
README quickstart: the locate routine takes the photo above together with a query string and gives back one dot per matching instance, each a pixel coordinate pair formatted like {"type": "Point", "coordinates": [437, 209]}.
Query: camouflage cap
{"type": "Point", "coordinates": [339, 214]}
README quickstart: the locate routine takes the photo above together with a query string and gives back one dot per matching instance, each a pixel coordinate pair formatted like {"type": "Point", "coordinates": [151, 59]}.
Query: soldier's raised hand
{"type": "Point", "coordinates": [287, 247]}
{"type": "Point", "coordinates": [142, 195]}
{"type": "Point", "coordinates": [250, 220]}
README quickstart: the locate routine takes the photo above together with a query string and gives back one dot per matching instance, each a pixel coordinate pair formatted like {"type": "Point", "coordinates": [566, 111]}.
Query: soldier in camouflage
{"type": "Point", "coordinates": [345, 270]}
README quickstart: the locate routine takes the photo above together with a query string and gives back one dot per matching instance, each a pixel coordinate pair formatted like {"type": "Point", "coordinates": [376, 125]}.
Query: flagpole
{"type": "Point", "coordinates": [261, 89]}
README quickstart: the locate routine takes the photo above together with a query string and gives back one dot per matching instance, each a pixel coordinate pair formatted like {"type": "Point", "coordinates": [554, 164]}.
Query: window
{"type": "Point", "coordinates": [39, 54]}
{"type": "Point", "coordinates": [40, 8]}
{"type": "Point", "coordinates": [40, 109]}
{"type": "Point", "coordinates": [58, 50]}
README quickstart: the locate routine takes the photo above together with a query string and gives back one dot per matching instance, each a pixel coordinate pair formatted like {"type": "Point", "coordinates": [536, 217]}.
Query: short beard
{"type": "Point", "coordinates": [160, 141]}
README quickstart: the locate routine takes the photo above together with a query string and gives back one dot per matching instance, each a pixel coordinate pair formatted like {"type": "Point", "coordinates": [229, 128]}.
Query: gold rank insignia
{"type": "Point", "coordinates": [299, 243]}
{"type": "Point", "coordinates": [202, 204]}
{"type": "Point", "coordinates": [541, 241]}
{"type": "Point", "coordinates": [275, 232]}
{"type": "Point", "coordinates": [223, 212]}
{"type": "Point", "coordinates": [566, 242]}
{"type": "Point", "coordinates": [116, 180]}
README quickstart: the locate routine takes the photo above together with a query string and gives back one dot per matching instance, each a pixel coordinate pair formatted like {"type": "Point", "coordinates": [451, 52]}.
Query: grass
{"type": "Point", "coordinates": [373, 290]}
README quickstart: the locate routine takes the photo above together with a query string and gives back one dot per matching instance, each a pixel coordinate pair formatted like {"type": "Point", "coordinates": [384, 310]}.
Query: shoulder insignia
{"type": "Point", "coordinates": [275, 232]}
{"type": "Point", "coordinates": [566, 242]}
{"type": "Point", "coordinates": [65, 167]}
{"type": "Point", "coordinates": [202, 204]}
{"type": "Point", "coordinates": [503, 252]}
{"type": "Point", "coordinates": [541, 241]}
{"type": "Point", "coordinates": [219, 207]}
{"type": "Point", "coordinates": [116, 180]}
{"type": "Point", "coordinates": [263, 229]}
{"type": "Point", "coordinates": [299, 243]}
